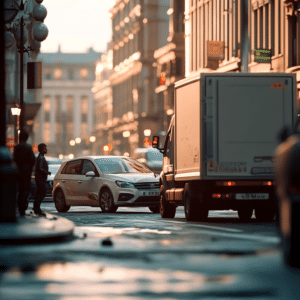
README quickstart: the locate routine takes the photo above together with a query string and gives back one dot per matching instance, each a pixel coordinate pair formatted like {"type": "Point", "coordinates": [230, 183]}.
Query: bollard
{"type": "Point", "coordinates": [287, 176]}
{"type": "Point", "coordinates": [8, 187]}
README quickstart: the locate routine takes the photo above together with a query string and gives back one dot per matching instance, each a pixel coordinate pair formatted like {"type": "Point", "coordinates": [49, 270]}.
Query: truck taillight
{"type": "Point", "coordinates": [267, 183]}
{"type": "Point", "coordinates": [218, 196]}
{"type": "Point", "coordinates": [225, 183]}
{"type": "Point", "coordinates": [244, 183]}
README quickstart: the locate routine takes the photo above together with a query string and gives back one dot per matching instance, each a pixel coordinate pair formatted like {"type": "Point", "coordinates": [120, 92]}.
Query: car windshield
{"type": "Point", "coordinates": [119, 165]}
{"type": "Point", "coordinates": [154, 156]}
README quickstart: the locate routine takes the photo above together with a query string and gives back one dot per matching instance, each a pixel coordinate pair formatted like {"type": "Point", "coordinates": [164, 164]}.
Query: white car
{"type": "Point", "coordinates": [105, 181]}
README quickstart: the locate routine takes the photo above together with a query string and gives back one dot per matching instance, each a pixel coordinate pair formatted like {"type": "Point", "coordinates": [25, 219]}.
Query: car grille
{"type": "Point", "coordinates": [147, 185]}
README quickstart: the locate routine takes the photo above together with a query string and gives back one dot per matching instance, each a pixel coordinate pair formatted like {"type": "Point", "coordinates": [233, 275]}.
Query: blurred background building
{"type": "Point", "coordinates": [116, 102]}
{"type": "Point", "coordinates": [102, 135]}
{"type": "Point", "coordinates": [221, 36]}
{"type": "Point", "coordinates": [66, 118]}
{"type": "Point", "coordinates": [139, 28]}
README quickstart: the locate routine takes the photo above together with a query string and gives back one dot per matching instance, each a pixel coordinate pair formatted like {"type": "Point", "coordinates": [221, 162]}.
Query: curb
{"type": "Point", "coordinates": [34, 229]}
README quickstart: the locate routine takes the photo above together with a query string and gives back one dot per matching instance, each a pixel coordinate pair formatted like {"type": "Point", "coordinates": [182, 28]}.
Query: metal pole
{"type": "Point", "coordinates": [22, 76]}
{"type": "Point", "coordinates": [2, 80]}
{"type": "Point", "coordinates": [8, 173]}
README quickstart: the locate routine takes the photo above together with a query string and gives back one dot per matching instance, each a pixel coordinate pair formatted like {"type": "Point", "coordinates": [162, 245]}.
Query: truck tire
{"type": "Point", "coordinates": [193, 208]}
{"type": "Point", "coordinates": [265, 213]}
{"type": "Point", "coordinates": [166, 209]}
{"type": "Point", "coordinates": [245, 213]}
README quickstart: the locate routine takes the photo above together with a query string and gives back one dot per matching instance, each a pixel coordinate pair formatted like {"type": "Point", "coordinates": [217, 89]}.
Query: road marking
{"type": "Point", "coordinates": [195, 225]}
{"type": "Point", "coordinates": [231, 233]}
{"type": "Point", "coordinates": [208, 226]}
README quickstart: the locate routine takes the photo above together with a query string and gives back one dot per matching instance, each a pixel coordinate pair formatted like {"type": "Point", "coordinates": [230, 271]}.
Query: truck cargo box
{"type": "Point", "coordinates": [227, 124]}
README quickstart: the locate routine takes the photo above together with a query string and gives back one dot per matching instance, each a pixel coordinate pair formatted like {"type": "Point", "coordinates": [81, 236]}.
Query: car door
{"type": "Point", "coordinates": [71, 181]}
{"type": "Point", "coordinates": [89, 189]}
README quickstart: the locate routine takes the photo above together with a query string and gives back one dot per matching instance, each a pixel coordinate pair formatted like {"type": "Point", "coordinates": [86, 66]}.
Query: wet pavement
{"type": "Point", "coordinates": [136, 262]}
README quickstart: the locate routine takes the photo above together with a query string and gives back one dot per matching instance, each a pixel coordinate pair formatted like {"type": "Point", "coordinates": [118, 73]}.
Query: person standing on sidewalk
{"type": "Point", "coordinates": [41, 173]}
{"type": "Point", "coordinates": [24, 159]}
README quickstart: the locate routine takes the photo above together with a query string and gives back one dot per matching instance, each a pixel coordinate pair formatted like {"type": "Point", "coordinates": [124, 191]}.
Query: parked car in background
{"type": "Point", "coordinates": [150, 157]}
{"type": "Point", "coordinates": [53, 168]}
{"type": "Point", "coordinates": [105, 181]}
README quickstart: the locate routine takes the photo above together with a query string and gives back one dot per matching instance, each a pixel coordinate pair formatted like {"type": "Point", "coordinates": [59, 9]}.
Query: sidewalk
{"type": "Point", "coordinates": [34, 229]}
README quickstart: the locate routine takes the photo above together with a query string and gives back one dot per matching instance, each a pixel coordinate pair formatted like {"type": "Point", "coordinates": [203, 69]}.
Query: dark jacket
{"type": "Point", "coordinates": [41, 168]}
{"type": "Point", "coordinates": [24, 158]}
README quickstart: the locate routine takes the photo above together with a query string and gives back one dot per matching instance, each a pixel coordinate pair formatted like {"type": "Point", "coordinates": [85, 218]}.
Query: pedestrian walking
{"type": "Point", "coordinates": [41, 173]}
{"type": "Point", "coordinates": [24, 159]}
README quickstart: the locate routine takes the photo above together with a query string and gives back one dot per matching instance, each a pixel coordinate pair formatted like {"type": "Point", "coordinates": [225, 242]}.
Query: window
{"type": "Point", "coordinates": [87, 167]}
{"type": "Point", "coordinates": [84, 130]}
{"type": "Point", "coordinates": [83, 74]}
{"type": "Point", "coordinates": [57, 73]}
{"type": "Point", "coordinates": [46, 133]}
{"type": "Point", "coordinates": [84, 105]}
{"type": "Point", "coordinates": [47, 73]}
{"type": "Point", "coordinates": [47, 105]}
{"type": "Point", "coordinates": [73, 167]}
{"type": "Point", "coordinates": [70, 74]}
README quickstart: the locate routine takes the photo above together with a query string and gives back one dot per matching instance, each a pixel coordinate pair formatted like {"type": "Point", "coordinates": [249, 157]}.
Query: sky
{"type": "Point", "coordinates": [77, 25]}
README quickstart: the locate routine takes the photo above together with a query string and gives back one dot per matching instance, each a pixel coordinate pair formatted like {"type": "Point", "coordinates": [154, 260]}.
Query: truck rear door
{"type": "Point", "coordinates": [247, 114]}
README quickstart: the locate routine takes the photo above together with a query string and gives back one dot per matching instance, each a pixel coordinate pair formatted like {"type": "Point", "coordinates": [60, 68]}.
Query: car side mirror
{"type": "Point", "coordinates": [90, 174]}
{"type": "Point", "coordinates": [155, 143]}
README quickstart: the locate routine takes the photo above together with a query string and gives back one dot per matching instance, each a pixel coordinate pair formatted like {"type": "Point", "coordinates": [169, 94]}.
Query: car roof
{"type": "Point", "coordinates": [98, 156]}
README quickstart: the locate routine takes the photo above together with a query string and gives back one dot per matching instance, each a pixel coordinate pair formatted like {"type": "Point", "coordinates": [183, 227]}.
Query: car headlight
{"type": "Point", "coordinates": [124, 184]}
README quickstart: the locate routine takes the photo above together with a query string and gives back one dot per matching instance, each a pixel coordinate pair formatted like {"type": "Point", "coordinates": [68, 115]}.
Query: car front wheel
{"type": "Point", "coordinates": [60, 201]}
{"type": "Point", "coordinates": [106, 201]}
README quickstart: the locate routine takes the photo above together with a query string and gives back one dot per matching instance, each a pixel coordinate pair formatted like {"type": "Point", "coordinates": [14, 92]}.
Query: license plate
{"type": "Point", "coordinates": [150, 193]}
{"type": "Point", "coordinates": [251, 196]}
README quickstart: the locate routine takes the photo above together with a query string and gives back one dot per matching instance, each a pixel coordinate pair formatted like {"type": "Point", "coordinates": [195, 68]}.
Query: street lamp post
{"type": "Point", "coordinates": [39, 32]}
{"type": "Point", "coordinates": [8, 172]}
{"type": "Point", "coordinates": [15, 111]}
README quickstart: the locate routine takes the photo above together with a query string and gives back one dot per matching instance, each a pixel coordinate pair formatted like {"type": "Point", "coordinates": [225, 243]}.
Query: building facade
{"type": "Point", "coordinates": [221, 36]}
{"type": "Point", "coordinates": [66, 118]}
{"type": "Point", "coordinates": [102, 92]}
{"type": "Point", "coordinates": [170, 61]}
{"type": "Point", "coordinates": [139, 28]}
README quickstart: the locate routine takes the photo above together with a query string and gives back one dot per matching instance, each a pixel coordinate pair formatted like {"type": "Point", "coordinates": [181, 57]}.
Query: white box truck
{"type": "Point", "coordinates": [218, 152]}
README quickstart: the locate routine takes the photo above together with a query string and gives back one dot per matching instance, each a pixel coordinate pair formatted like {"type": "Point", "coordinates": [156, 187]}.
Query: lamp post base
{"type": "Point", "coordinates": [8, 187]}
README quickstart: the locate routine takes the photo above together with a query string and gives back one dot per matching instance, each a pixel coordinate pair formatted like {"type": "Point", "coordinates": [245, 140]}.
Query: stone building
{"type": "Point", "coordinates": [222, 36]}
{"type": "Point", "coordinates": [170, 63]}
{"type": "Point", "coordinates": [66, 118]}
{"type": "Point", "coordinates": [139, 28]}
{"type": "Point", "coordinates": [102, 92]}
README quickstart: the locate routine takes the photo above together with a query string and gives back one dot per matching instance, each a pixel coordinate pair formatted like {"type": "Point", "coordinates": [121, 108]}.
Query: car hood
{"type": "Point", "coordinates": [154, 164]}
{"type": "Point", "coordinates": [133, 177]}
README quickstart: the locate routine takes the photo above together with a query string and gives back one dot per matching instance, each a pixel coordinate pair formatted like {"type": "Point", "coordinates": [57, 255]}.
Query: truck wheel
{"type": "Point", "coordinates": [193, 208]}
{"type": "Point", "coordinates": [167, 210]}
{"type": "Point", "coordinates": [245, 213]}
{"type": "Point", "coordinates": [264, 213]}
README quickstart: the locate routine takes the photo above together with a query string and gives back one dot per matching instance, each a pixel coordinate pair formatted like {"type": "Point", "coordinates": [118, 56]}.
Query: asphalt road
{"type": "Point", "coordinates": [135, 254]}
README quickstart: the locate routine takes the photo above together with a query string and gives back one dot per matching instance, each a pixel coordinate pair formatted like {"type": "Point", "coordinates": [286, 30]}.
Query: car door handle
{"type": "Point", "coordinates": [79, 181]}
{"type": "Point", "coordinates": [63, 181]}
